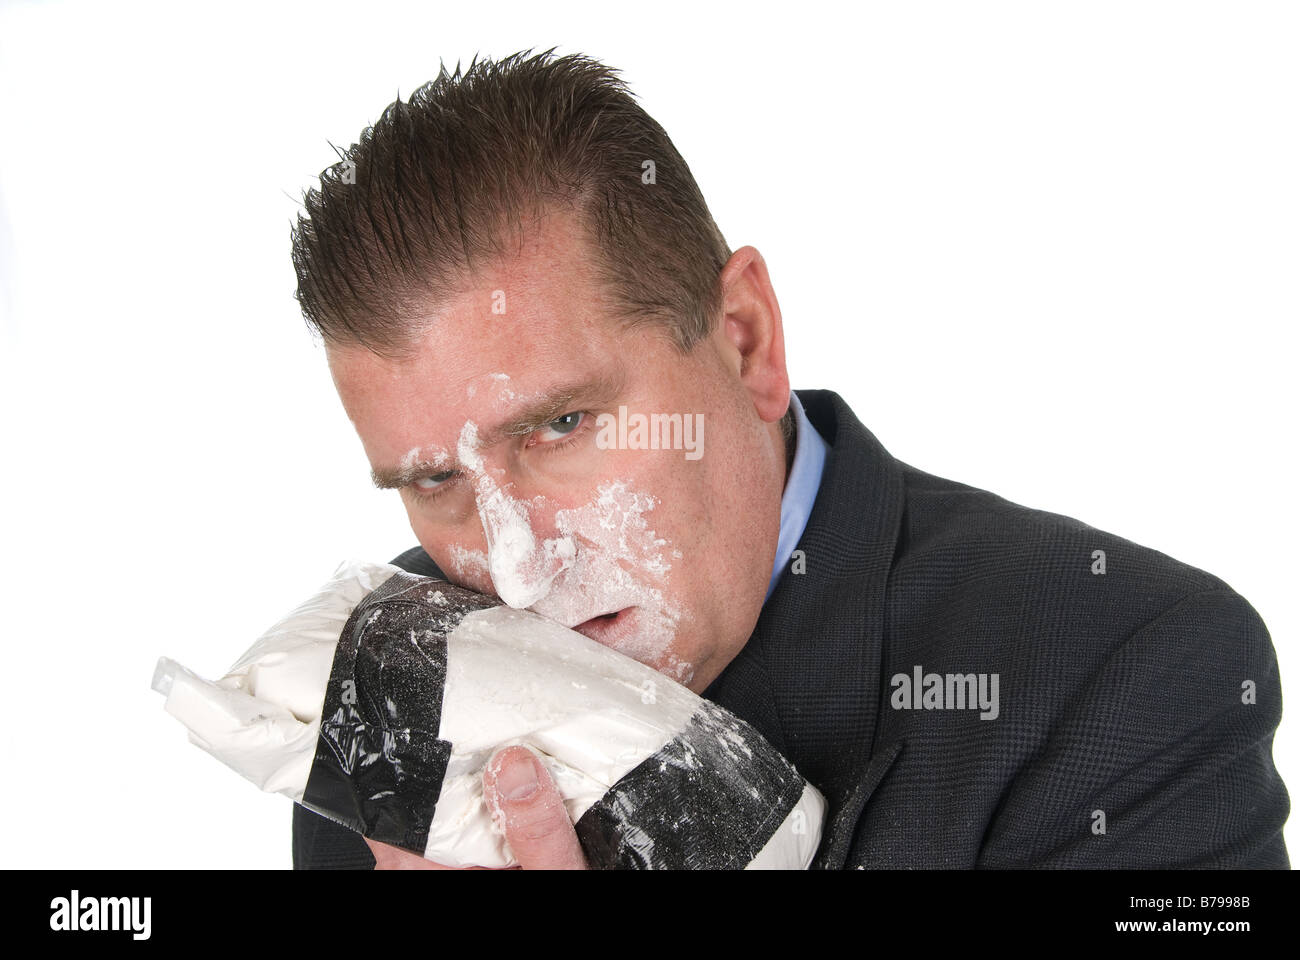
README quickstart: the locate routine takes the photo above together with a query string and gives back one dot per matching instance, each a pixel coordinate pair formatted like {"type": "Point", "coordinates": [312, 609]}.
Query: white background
{"type": "Point", "coordinates": [1046, 249]}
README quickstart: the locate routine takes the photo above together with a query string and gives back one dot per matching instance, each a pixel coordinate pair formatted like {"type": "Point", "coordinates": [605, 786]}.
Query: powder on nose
{"type": "Point", "coordinates": [522, 570]}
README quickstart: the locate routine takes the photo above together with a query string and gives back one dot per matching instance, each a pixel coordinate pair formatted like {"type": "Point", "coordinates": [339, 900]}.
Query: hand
{"type": "Point", "coordinates": [537, 825]}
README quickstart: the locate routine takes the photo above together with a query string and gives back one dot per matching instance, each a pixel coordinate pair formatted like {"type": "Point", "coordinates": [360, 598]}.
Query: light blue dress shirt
{"type": "Point", "coordinates": [800, 489]}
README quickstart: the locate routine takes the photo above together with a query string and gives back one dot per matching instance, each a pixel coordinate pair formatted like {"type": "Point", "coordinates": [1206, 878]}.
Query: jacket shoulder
{"type": "Point", "coordinates": [959, 538]}
{"type": "Point", "coordinates": [1140, 693]}
{"type": "Point", "coordinates": [1162, 758]}
{"type": "Point", "coordinates": [416, 561]}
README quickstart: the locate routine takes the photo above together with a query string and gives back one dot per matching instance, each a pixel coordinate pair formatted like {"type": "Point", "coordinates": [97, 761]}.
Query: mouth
{"type": "Point", "coordinates": [604, 627]}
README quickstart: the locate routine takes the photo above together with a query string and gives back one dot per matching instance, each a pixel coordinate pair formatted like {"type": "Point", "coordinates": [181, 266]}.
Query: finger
{"type": "Point", "coordinates": [524, 799]}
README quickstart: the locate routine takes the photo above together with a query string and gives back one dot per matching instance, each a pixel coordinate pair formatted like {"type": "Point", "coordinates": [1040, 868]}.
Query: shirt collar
{"type": "Point", "coordinates": [800, 489]}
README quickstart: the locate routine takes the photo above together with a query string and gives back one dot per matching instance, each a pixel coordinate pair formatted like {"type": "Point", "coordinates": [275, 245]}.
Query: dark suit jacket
{"type": "Point", "coordinates": [1124, 736]}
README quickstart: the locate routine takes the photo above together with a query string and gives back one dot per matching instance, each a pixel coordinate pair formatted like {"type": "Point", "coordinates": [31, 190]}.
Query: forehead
{"type": "Point", "coordinates": [514, 330]}
{"type": "Point", "coordinates": [472, 367]}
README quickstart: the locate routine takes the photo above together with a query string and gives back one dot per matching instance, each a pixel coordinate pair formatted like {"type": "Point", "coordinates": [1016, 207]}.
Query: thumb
{"type": "Point", "coordinates": [524, 799]}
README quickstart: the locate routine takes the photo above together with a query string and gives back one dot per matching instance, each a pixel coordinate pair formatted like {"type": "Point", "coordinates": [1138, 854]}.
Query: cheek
{"type": "Point", "coordinates": [688, 504]}
{"type": "Point", "coordinates": [462, 558]}
{"type": "Point", "coordinates": [722, 534]}
{"type": "Point", "coordinates": [669, 527]}
{"type": "Point", "coordinates": [466, 566]}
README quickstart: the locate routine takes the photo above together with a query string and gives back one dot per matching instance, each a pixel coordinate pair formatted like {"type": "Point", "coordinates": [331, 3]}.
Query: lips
{"type": "Point", "coordinates": [605, 627]}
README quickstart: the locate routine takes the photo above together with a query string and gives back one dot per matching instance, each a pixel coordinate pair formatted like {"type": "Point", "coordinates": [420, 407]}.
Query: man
{"type": "Point", "coordinates": [580, 393]}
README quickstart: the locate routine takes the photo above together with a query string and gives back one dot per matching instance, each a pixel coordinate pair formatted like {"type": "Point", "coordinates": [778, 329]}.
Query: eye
{"type": "Point", "coordinates": [426, 485]}
{"type": "Point", "coordinates": [559, 428]}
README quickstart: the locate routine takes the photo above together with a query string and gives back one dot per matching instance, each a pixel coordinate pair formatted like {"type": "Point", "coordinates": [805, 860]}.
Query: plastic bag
{"type": "Point", "coordinates": [380, 700]}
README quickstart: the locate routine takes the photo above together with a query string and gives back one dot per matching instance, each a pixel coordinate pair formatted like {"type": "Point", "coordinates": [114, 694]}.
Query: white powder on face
{"type": "Point", "coordinates": [496, 382]}
{"type": "Point", "coordinates": [620, 563]}
{"type": "Point", "coordinates": [521, 568]}
{"type": "Point", "coordinates": [467, 447]}
{"type": "Point", "coordinates": [433, 455]}
{"type": "Point", "coordinates": [604, 559]}
{"type": "Point", "coordinates": [469, 566]}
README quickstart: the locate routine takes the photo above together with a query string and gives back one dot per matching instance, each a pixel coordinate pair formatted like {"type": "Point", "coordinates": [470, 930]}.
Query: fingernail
{"type": "Point", "coordinates": [518, 780]}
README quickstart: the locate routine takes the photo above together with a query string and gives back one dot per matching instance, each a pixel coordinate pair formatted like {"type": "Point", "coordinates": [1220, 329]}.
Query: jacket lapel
{"type": "Point", "coordinates": [809, 677]}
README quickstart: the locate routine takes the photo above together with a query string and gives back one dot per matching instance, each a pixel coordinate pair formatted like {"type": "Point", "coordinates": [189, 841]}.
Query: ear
{"type": "Point", "coordinates": [750, 335]}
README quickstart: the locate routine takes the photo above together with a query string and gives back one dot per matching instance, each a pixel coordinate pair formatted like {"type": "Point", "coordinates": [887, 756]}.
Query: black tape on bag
{"type": "Point", "coordinates": [379, 762]}
{"type": "Point", "coordinates": [709, 799]}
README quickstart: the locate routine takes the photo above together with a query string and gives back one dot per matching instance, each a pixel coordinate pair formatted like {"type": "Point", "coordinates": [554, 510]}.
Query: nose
{"type": "Point", "coordinates": [522, 561]}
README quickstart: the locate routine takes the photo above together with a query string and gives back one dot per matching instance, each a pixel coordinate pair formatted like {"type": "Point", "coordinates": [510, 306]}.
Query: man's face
{"type": "Point", "coordinates": [518, 487]}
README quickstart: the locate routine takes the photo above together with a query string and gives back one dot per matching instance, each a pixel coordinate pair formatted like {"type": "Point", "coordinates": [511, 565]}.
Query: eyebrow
{"type": "Point", "coordinates": [598, 391]}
